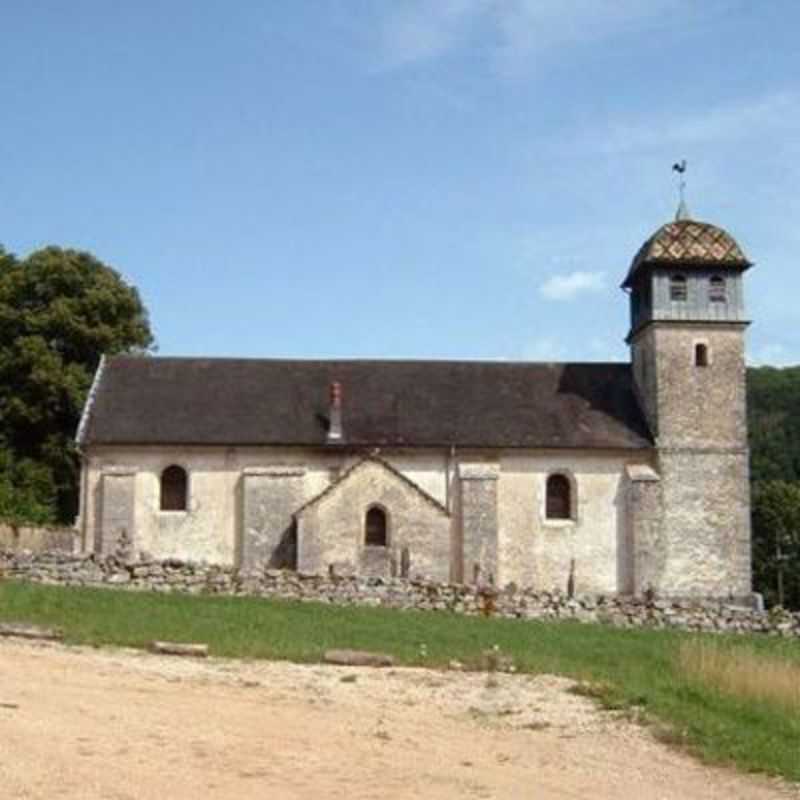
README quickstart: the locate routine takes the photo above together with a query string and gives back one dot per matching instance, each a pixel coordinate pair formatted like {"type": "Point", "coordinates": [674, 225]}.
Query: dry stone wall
{"type": "Point", "coordinates": [37, 539]}
{"type": "Point", "coordinates": [173, 575]}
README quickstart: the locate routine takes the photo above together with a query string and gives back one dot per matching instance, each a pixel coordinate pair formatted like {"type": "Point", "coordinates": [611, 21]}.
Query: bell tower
{"type": "Point", "coordinates": [687, 351]}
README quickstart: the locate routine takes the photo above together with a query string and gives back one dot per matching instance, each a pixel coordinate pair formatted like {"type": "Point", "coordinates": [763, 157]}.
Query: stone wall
{"type": "Point", "coordinates": [701, 408]}
{"type": "Point", "coordinates": [330, 530]}
{"type": "Point", "coordinates": [37, 539]}
{"type": "Point", "coordinates": [536, 551]}
{"type": "Point", "coordinates": [225, 521]}
{"type": "Point", "coordinates": [242, 501]}
{"type": "Point", "coordinates": [173, 575]}
{"type": "Point", "coordinates": [705, 525]}
{"type": "Point", "coordinates": [701, 545]}
{"type": "Point", "coordinates": [478, 505]}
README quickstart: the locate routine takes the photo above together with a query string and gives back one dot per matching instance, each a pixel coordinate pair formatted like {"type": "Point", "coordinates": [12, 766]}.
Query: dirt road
{"type": "Point", "coordinates": [121, 725]}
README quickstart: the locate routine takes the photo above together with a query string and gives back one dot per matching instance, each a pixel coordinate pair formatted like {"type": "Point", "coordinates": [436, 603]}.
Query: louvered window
{"type": "Point", "coordinates": [716, 290]}
{"type": "Point", "coordinates": [677, 288]}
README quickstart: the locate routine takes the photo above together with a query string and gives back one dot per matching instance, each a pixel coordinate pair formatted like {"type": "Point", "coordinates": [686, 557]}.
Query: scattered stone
{"type": "Point", "coordinates": [349, 678]}
{"type": "Point", "coordinates": [11, 706]}
{"type": "Point", "coordinates": [179, 649]}
{"type": "Point", "coordinates": [24, 631]}
{"type": "Point", "coordinates": [357, 658]}
{"type": "Point", "coordinates": [537, 726]}
{"type": "Point", "coordinates": [494, 660]}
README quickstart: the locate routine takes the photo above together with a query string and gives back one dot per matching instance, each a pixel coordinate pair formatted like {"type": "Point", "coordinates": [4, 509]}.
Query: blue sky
{"type": "Point", "coordinates": [426, 179]}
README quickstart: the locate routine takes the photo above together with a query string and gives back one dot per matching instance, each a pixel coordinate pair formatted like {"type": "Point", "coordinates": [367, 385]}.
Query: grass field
{"type": "Point", "coordinates": [701, 692]}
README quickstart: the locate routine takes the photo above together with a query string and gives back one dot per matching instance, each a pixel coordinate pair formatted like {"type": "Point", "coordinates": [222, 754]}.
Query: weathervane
{"type": "Point", "coordinates": [683, 211]}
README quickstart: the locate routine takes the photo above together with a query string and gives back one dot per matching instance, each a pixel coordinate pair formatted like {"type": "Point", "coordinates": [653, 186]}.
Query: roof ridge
{"type": "Point", "coordinates": [488, 362]}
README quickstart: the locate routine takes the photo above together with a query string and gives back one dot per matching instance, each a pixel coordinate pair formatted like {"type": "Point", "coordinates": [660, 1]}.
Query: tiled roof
{"type": "Point", "coordinates": [690, 243]}
{"type": "Point", "coordinates": [202, 401]}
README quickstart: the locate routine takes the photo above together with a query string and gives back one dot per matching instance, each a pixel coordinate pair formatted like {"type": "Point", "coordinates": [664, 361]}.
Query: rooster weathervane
{"type": "Point", "coordinates": [679, 167]}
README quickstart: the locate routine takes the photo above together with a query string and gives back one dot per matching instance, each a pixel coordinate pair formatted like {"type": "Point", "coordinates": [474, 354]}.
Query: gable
{"type": "Point", "coordinates": [387, 472]}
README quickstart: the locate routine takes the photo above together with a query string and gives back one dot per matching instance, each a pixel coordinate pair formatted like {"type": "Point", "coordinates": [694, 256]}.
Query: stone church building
{"type": "Point", "coordinates": [616, 478]}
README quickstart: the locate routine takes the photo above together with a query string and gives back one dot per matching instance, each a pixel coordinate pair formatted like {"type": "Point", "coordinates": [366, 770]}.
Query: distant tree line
{"type": "Point", "coordinates": [773, 397]}
{"type": "Point", "coordinates": [60, 310]}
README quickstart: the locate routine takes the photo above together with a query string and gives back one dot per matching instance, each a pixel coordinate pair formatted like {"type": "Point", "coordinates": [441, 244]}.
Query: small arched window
{"type": "Point", "coordinates": [677, 288]}
{"type": "Point", "coordinates": [716, 290]}
{"type": "Point", "coordinates": [701, 355]}
{"type": "Point", "coordinates": [174, 485]}
{"type": "Point", "coordinates": [375, 528]}
{"type": "Point", "coordinates": [558, 503]}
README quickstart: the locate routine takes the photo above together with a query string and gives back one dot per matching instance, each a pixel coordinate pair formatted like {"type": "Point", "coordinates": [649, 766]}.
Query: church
{"type": "Point", "coordinates": [617, 478]}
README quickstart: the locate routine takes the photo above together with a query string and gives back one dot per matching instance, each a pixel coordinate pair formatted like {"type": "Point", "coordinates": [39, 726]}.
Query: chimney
{"type": "Point", "coordinates": [335, 433]}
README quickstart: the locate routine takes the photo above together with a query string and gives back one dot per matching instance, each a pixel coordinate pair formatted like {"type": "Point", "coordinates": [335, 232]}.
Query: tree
{"type": "Point", "coordinates": [60, 310]}
{"type": "Point", "coordinates": [776, 542]}
{"type": "Point", "coordinates": [26, 491]}
{"type": "Point", "coordinates": [773, 412]}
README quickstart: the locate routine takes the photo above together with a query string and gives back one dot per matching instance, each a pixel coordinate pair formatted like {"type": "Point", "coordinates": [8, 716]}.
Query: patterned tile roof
{"type": "Point", "coordinates": [690, 243]}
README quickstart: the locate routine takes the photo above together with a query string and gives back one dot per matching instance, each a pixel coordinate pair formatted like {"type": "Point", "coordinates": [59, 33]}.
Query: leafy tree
{"type": "Point", "coordinates": [26, 491]}
{"type": "Point", "coordinates": [60, 310]}
{"type": "Point", "coordinates": [773, 405]}
{"type": "Point", "coordinates": [776, 542]}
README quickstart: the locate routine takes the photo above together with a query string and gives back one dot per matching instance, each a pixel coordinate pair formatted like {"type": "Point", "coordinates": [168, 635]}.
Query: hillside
{"type": "Point", "coordinates": [774, 419]}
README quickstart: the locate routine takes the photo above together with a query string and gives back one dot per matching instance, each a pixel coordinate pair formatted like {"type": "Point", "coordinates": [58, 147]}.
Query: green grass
{"type": "Point", "coordinates": [628, 668]}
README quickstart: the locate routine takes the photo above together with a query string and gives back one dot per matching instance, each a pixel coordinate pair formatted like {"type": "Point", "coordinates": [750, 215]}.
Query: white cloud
{"type": "Point", "coordinates": [748, 118]}
{"type": "Point", "coordinates": [424, 29]}
{"type": "Point", "coordinates": [517, 30]}
{"type": "Point", "coordinates": [529, 28]}
{"type": "Point", "coordinates": [565, 287]}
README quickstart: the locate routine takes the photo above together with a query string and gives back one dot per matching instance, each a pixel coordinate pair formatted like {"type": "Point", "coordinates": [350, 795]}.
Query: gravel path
{"type": "Point", "coordinates": [125, 725]}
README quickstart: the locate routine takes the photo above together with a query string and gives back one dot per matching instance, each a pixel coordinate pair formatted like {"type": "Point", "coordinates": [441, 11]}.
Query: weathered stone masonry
{"type": "Point", "coordinates": [173, 575]}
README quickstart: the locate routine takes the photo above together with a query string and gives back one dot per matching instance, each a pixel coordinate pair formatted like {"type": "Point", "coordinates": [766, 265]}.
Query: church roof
{"type": "Point", "coordinates": [689, 242]}
{"type": "Point", "coordinates": [202, 401]}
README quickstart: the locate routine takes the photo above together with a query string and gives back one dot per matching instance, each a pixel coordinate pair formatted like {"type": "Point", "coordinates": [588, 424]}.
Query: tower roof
{"type": "Point", "coordinates": [689, 243]}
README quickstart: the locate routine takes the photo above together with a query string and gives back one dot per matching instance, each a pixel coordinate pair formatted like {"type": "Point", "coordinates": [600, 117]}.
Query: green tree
{"type": "Point", "coordinates": [60, 310]}
{"type": "Point", "coordinates": [773, 412]}
{"type": "Point", "coordinates": [776, 542]}
{"type": "Point", "coordinates": [26, 491]}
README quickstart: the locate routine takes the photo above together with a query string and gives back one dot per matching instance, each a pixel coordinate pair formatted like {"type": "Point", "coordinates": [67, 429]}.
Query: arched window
{"type": "Point", "coordinates": [716, 290]}
{"type": "Point", "coordinates": [677, 288]}
{"type": "Point", "coordinates": [701, 355]}
{"type": "Point", "coordinates": [558, 503]}
{"type": "Point", "coordinates": [375, 528]}
{"type": "Point", "coordinates": [174, 485]}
